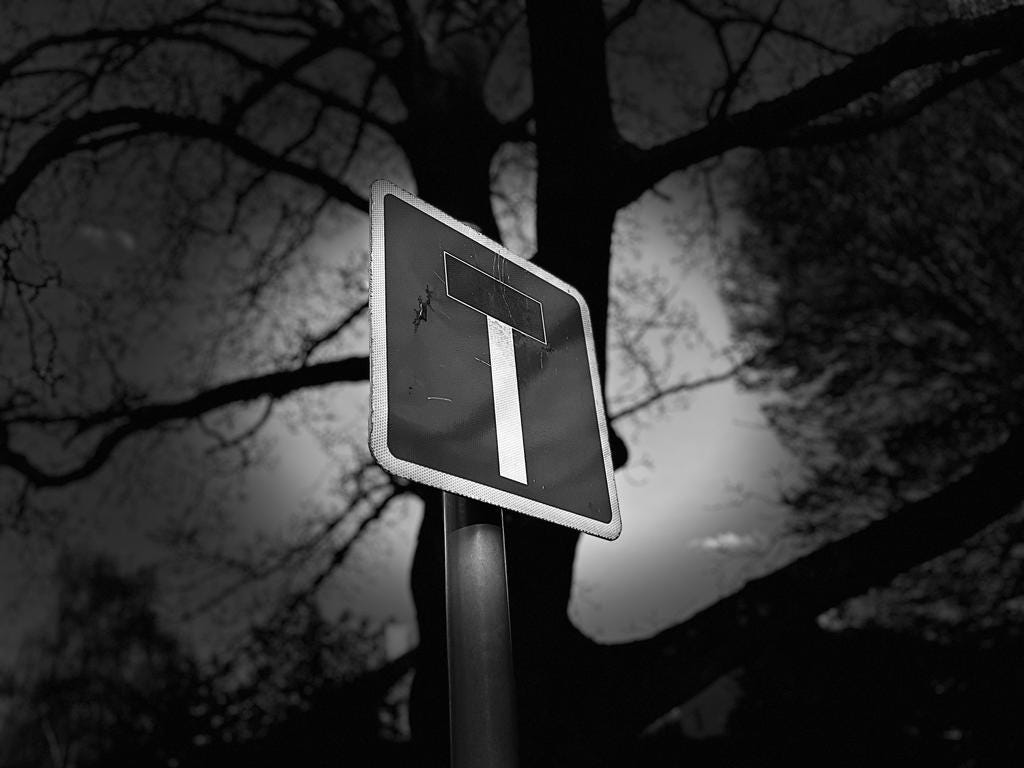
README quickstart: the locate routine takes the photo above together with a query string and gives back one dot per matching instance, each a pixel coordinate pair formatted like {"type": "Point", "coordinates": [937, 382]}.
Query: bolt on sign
{"type": "Point", "coordinates": [483, 375]}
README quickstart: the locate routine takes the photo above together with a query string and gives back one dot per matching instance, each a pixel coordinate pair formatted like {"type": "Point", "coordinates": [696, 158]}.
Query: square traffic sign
{"type": "Point", "coordinates": [483, 375]}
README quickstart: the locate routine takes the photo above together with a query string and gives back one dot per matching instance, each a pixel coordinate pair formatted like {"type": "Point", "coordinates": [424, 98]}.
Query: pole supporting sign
{"type": "Point", "coordinates": [483, 374]}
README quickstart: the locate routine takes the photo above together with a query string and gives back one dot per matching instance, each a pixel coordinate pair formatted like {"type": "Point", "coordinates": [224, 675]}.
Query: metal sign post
{"type": "Point", "coordinates": [480, 674]}
{"type": "Point", "coordinates": [484, 384]}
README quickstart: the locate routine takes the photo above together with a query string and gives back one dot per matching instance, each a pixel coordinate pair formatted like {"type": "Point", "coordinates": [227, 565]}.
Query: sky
{"type": "Point", "coordinates": [695, 498]}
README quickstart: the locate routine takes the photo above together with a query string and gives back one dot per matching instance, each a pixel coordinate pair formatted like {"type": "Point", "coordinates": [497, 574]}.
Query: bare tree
{"type": "Point", "coordinates": [231, 138]}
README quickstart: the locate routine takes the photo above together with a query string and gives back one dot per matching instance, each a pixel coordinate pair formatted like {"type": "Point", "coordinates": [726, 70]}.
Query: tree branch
{"type": "Point", "coordinates": [676, 664]}
{"type": "Point", "coordinates": [728, 89]}
{"type": "Point", "coordinates": [857, 127]}
{"type": "Point", "coordinates": [769, 123]}
{"type": "Point", "coordinates": [119, 34]}
{"type": "Point", "coordinates": [72, 135]}
{"type": "Point", "coordinates": [312, 343]}
{"type": "Point", "coordinates": [687, 385]}
{"type": "Point", "coordinates": [283, 72]}
{"type": "Point", "coordinates": [188, 30]}
{"type": "Point", "coordinates": [272, 385]}
{"type": "Point", "coordinates": [624, 14]}
{"type": "Point", "coordinates": [250, 574]}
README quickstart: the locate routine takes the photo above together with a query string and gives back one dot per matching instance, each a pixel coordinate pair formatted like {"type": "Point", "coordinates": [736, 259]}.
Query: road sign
{"type": "Point", "coordinates": [483, 375]}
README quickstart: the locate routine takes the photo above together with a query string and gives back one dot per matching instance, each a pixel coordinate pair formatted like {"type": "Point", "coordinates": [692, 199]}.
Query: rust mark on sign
{"type": "Point", "coordinates": [420, 315]}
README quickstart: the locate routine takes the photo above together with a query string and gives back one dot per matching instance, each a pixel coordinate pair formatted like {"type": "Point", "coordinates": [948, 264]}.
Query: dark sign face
{"type": "Point", "coordinates": [483, 376]}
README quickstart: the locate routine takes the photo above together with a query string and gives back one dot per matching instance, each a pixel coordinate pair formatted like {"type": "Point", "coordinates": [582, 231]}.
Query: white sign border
{"type": "Point", "coordinates": [378, 421]}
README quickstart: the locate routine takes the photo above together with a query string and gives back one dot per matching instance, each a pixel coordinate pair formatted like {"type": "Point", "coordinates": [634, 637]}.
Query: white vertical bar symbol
{"type": "Point", "coordinates": [507, 416]}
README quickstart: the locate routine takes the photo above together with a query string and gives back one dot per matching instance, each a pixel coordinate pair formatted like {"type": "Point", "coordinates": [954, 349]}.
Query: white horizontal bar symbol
{"type": "Point", "coordinates": [526, 304]}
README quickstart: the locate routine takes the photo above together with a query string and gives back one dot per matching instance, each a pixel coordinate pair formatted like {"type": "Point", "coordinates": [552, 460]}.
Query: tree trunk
{"type": "Point", "coordinates": [574, 219]}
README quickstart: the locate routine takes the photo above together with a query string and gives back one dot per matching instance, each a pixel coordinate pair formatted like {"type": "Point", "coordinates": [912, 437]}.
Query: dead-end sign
{"type": "Point", "coordinates": [483, 375]}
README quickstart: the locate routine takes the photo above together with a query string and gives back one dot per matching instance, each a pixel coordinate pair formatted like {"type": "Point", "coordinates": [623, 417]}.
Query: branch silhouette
{"type": "Point", "coordinates": [272, 385]}
{"type": "Point", "coordinates": [680, 661]}
{"type": "Point", "coordinates": [74, 134]}
{"type": "Point", "coordinates": [776, 122]}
